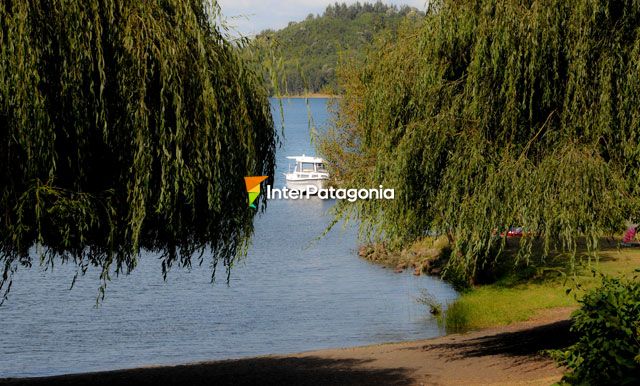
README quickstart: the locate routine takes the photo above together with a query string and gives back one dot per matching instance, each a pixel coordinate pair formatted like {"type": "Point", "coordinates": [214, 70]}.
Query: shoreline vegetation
{"type": "Point", "coordinates": [519, 292]}
{"type": "Point", "coordinates": [424, 256]}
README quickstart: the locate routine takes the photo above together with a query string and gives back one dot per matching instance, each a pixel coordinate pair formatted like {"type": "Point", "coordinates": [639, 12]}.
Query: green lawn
{"type": "Point", "coordinates": [511, 300]}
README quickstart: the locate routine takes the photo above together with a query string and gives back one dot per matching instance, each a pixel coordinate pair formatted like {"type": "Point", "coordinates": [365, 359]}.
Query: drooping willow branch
{"type": "Point", "coordinates": [497, 114]}
{"type": "Point", "coordinates": [125, 125]}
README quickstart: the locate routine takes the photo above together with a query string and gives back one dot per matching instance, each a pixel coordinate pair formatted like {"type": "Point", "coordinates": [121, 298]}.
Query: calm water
{"type": "Point", "coordinates": [289, 295]}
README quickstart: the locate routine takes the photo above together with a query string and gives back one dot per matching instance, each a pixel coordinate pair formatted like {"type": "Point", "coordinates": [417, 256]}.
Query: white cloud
{"type": "Point", "coordinates": [252, 16]}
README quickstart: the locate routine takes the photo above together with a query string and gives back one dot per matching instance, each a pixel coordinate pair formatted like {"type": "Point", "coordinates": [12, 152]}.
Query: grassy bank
{"type": "Point", "coordinates": [512, 299]}
{"type": "Point", "coordinates": [519, 294]}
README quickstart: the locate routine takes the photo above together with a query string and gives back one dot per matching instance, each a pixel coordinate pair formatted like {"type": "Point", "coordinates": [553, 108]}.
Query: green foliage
{"type": "Point", "coordinates": [310, 50]}
{"type": "Point", "coordinates": [522, 295]}
{"type": "Point", "coordinates": [428, 299]}
{"type": "Point", "coordinates": [499, 304]}
{"type": "Point", "coordinates": [496, 114]}
{"type": "Point", "coordinates": [125, 125]}
{"type": "Point", "coordinates": [608, 329]}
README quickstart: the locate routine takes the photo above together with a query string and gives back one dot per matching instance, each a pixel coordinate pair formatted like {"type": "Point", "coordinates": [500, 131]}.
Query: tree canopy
{"type": "Point", "coordinates": [309, 51]}
{"type": "Point", "coordinates": [125, 125]}
{"type": "Point", "coordinates": [497, 114]}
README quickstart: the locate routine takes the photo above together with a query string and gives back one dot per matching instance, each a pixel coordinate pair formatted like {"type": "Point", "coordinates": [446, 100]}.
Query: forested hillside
{"type": "Point", "coordinates": [310, 50]}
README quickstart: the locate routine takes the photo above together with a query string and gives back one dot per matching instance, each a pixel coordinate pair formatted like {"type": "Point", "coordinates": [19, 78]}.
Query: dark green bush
{"type": "Point", "coordinates": [608, 329]}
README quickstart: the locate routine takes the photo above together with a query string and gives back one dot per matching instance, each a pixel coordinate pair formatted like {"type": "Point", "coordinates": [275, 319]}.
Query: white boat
{"type": "Point", "coordinates": [308, 171]}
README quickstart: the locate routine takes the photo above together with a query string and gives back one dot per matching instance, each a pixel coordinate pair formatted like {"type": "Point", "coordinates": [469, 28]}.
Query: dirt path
{"type": "Point", "coordinates": [500, 356]}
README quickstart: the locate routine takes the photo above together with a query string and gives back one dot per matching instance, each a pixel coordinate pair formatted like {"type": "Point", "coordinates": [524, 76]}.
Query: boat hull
{"type": "Point", "coordinates": [304, 185]}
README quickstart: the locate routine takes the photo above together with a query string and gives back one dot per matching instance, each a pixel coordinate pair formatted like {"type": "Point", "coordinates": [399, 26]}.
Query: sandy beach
{"type": "Point", "coordinates": [497, 356]}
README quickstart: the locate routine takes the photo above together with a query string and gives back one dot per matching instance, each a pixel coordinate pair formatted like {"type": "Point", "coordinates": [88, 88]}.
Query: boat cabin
{"type": "Point", "coordinates": [313, 166]}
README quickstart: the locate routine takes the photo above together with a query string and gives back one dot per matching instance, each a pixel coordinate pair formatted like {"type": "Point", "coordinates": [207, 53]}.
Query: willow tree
{"type": "Point", "coordinates": [125, 125]}
{"type": "Point", "coordinates": [494, 114]}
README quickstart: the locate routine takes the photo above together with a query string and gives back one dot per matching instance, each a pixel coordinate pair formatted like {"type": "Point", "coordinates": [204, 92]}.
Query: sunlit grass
{"type": "Point", "coordinates": [510, 300]}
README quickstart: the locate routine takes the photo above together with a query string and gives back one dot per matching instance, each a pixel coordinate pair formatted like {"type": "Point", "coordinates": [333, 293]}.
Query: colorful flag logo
{"type": "Point", "coordinates": [253, 188]}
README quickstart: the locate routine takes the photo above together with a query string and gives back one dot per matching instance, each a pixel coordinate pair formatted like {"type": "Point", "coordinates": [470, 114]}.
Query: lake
{"type": "Point", "coordinates": [293, 292]}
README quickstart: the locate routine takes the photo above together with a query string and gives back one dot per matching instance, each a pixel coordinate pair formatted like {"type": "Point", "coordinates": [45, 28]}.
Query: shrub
{"type": "Point", "coordinates": [608, 331]}
{"type": "Point", "coordinates": [457, 317]}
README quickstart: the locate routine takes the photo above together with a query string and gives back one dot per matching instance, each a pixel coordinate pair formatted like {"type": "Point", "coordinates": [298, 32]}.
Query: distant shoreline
{"type": "Point", "coordinates": [309, 96]}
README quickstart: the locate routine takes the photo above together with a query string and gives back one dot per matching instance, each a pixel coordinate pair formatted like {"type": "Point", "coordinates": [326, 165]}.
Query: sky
{"type": "Point", "coordinates": [249, 17]}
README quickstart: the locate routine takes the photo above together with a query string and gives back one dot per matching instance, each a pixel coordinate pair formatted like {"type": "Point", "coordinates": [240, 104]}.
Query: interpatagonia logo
{"type": "Point", "coordinates": [331, 193]}
{"type": "Point", "coordinates": [253, 188]}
